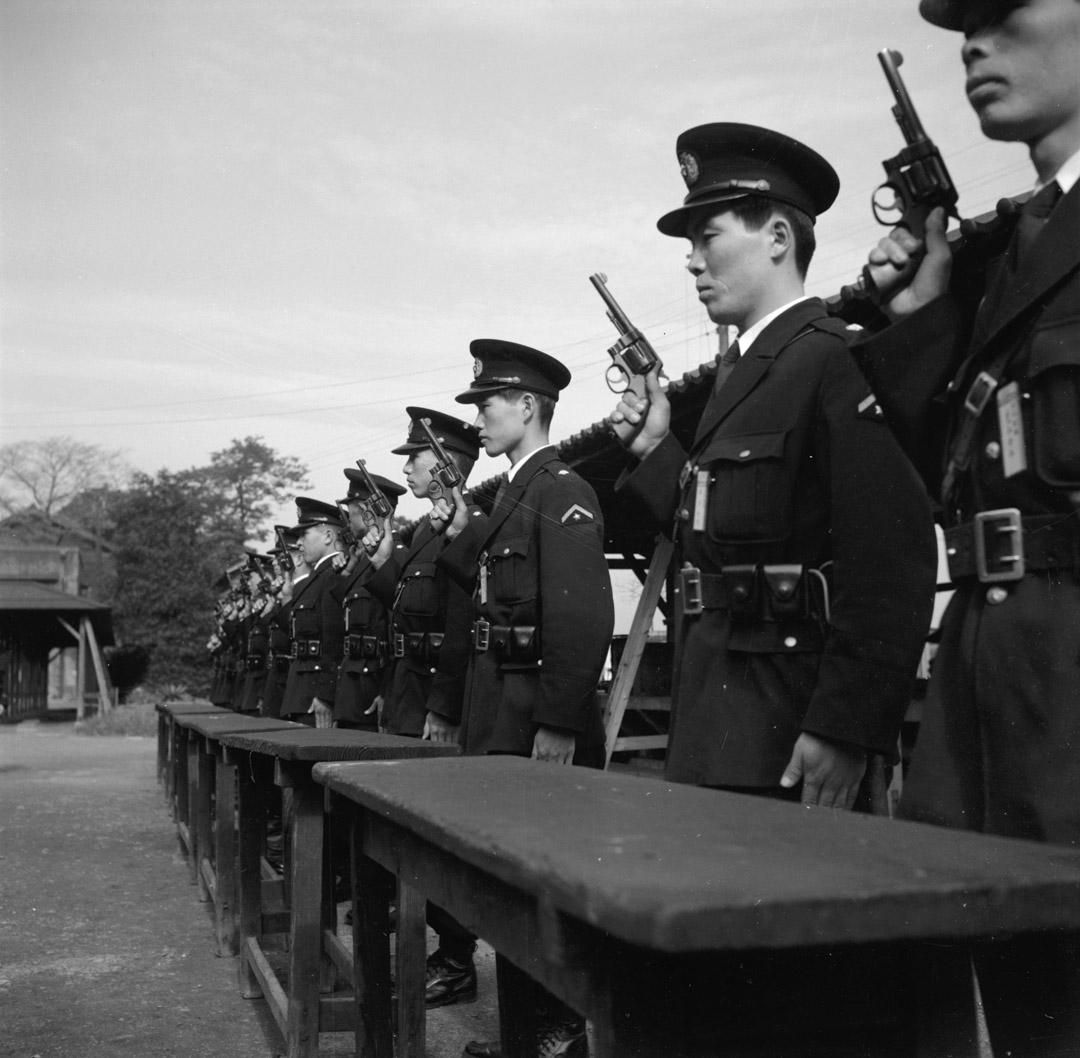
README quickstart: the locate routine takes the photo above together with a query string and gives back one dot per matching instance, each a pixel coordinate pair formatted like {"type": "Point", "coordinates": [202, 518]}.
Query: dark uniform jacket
{"type": "Point", "coordinates": [279, 659]}
{"type": "Point", "coordinates": [317, 631]}
{"type": "Point", "coordinates": [228, 673]}
{"type": "Point", "coordinates": [544, 609]}
{"type": "Point", "coordinates": [997, 749]}
{"type": "Point", "coordinates": [363, 667]}
{"type": "Point", "coordinates": [792, 465]}
{"type": "Point", "coordinates": [257, 645]}
{"type": "Point", "coordinates": [430, 617]}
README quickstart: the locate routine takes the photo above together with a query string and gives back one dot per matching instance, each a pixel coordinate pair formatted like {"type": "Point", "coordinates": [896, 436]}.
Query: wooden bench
{"type": "Point", "coordinates": [684, 921]}
{"type": "Point", "coordinates": [166, 758]}
{"type": "Point", "coordinates": [304, 1006]}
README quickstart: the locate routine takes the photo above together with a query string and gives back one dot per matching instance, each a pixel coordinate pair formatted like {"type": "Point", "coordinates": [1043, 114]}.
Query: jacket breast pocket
{"type": "Point", "coordinates": [512, 570]}
{"type": "Point", "coordinates": [419, 595]}
{"type": "Point", "coordinates": [305, 622]}
{"type": "Point", "coordinates": [1054, 385]}
{"type": "Point", "coordinates": [750, 495]}
{"type": "Point", "coordinates": [362, 612]}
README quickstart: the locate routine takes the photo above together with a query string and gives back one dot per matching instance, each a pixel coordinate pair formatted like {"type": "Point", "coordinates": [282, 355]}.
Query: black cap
{"type": "Point", "coordinates": [506, 365]}
{"type": "Point", "coordinates": [359, 491]}
{"type": "Point", "coordinates": [311, 512]}
{"type": "Point", "coordinates": [453, 433]}
{"type": "Point", "coordinates": [725, 161]}
{"type": "Point", "coordinates": [949, 14]}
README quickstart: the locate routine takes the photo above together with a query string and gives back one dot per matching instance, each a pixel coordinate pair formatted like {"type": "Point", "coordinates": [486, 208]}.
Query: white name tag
{"type": "Point", "coordinates": [483, 583]}
{"type": "Point", "coordinates": [701, 501]}
{"type": "Point", "coordinates": [1011, 425]}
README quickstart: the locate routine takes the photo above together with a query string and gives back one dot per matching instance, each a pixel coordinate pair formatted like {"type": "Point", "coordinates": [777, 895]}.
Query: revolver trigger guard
{"type": "Point", "coordinates": [618, 383]}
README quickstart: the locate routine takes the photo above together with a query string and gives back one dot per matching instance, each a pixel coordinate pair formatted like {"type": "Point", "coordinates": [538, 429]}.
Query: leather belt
{"type": "Point", "coordinates": [423, 645]}
{"type": "Point", "coordinates": [511, 642]}
{"type": "Point", "coordinates": [255, 662]}
{"type": "Point", "coordinates": [360, 647]}
{"type": "Point", "coordinates": [775, 592]}
{"type": "Point", "coordinates": [1003, 545]}
{"type": "Point", "coordinates": [306, 648]}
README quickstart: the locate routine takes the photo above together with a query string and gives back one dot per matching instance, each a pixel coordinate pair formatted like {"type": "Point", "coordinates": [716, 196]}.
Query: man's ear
{"type": "Point", "coordinates": [528, 406]}
{"type": "Point", "coordinates": [783, 238]}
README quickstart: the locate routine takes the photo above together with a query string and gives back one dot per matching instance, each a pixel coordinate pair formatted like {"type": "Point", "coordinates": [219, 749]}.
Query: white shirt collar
{"type": "Point", "coordinates": [748, 337]}
{"type": "Point", "coordinates": [1067, 175]}
{"type": "Point", "coordinates": [329, 554]}
{"type": "Point", "coordinates": [521, 462]}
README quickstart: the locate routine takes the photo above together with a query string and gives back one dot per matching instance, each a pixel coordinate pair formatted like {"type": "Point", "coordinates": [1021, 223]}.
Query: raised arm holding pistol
{"type": "Point", "coordinates": [632, 356]}
{"type": "Point", "coordinates": [916, 179]}
{"type": "Point", "coordinates": [445, 474]}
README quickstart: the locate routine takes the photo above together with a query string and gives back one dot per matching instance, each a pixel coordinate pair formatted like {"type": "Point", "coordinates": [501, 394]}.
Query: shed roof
{"type": "Point", "coordinates": [27, 609]}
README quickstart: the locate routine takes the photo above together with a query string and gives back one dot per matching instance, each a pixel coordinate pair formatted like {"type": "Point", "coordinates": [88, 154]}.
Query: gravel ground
{"type": "Point", "coordinates": [104, 948]}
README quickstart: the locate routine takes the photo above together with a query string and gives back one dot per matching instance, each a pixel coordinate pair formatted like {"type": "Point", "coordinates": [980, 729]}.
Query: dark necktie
{"type": "Point", "coordinates": [726, 365]}
{"type": "Point", "coordinates": [1033, 215]}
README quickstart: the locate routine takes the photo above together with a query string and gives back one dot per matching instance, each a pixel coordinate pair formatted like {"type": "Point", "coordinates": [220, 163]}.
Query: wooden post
{"type": "Point", "coordinates": [105, 695]}
{"type": "Point", "coordinates": [635, 643]}
{"type": "Point", "coordinates": [80, 674]}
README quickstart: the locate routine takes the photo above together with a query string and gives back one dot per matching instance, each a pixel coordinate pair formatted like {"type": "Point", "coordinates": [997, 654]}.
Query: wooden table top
{"type": "Point", "coordinates": [180, 708]}
{"type": "Point", "coordinates": [214, 724]}
{"type": "Point", "coordinates": [331, 743]}
{"type": "Point", "coordinates": [681, 869]}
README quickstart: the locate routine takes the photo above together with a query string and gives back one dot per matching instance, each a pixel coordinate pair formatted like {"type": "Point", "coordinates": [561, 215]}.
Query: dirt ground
{"type": "Point", "coordinates": [104, 947]}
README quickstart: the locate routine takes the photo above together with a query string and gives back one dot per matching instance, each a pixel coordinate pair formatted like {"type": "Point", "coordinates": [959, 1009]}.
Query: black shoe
{"type": "Point", "coordinates": [482, 1049]}
{"type": "Point", "coordinates": [449, 980]}
{"type": "Point", "coordinates": [554, 1039]}
{"type": "Point", "coordinates": [562, 1039]}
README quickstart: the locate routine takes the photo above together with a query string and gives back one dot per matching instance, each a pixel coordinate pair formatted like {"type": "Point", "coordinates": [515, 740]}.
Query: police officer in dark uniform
{"type": "Point", "coordinates": [982, 382]}
{"type": "Point", "coordinates": [317, 630]}
{"type": "Point", "coordinates": [431, 623]}
{"type": "Point", "coordinates": [294, 570]}
{"type": "Point", "coordinates": [429, 650]}
{"type": "Point", "coordinates": [542, 592]}
{"type": "Point", "coordinates": [804, 537]}
{"type": "Point", "coordinates": [363, 668]}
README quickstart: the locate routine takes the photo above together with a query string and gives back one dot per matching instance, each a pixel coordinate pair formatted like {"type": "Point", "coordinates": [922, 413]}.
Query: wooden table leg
{"type": "Point", "coordinates": [201, 840]}
{"type": "Point", "coordinates": [372, 890]}
{"type": "Point", "coordinates": [517, 1010]}
{"type": "Point", "coordinates": [252, 825]}
{"type": "Point", "coordinates": [225, 855]}
{"type": "Point", "coordinates": [411, 970]}
{"type": "Point", "coordinates": [305, 934]}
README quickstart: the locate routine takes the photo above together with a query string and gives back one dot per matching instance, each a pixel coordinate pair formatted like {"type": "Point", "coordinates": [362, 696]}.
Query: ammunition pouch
{"type": "Point", "coordinates": [517, 643]}
{"type": "Point", "coordinates": [360, 647]}
{"type": "Point", "coordinates": [306, 648]}
{"type": "Point", "coordinates": [421, 645]}
{"type": "Point", "coordinates": [255, 663]}
{"type": "Point", "coordinates": [281, 663]}
{"type": "Point", "coordinates": [755, 593]}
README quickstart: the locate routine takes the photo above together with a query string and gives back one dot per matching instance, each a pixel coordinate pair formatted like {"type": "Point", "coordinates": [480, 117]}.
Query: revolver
{"type": "Point", "coordinates": [632, 356]}
{"type": "Point", "coordinates": [445, 473]}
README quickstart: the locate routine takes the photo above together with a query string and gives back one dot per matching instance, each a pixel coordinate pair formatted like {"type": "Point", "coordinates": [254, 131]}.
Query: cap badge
{"type": "Point", "coordinates": [689, 167]}
{"type": "Point", "coordinates": [477, 367]}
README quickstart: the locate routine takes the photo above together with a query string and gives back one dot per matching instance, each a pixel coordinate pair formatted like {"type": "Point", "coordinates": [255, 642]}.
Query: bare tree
{"type": "Point", "coordinates": [48, 474]}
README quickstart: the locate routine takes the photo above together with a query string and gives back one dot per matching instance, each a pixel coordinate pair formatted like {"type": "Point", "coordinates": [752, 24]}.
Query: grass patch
{"type": "Point", "coordinates": [136, 718]}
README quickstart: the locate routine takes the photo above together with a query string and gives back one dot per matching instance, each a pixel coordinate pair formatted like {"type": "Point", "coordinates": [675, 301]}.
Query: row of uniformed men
{"type": "Point", "coordinates": [803, 533]}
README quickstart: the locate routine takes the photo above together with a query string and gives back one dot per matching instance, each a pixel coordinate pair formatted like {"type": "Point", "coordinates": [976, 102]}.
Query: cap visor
{"type": "Point", "coordinates": [677, 221]}
{"type": "Point", "coordinates": [948, 14]}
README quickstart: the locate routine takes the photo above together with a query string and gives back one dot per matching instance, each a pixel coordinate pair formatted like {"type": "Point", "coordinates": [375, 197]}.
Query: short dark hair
{"type": "Point", "coordinates": [545, 405]}
{"type": "Point", "coordinates": [755, 210]}
{"type": "Point", "coordinates": [463, 462]}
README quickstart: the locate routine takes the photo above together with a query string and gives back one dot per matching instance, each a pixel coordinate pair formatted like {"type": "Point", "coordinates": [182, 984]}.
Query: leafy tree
{"type": "Point", "coordinates": [250, 480]}
{"type": "Point", "coordinates": [166, 566]}
{"type": "Point", "coordinates": [49, 474]}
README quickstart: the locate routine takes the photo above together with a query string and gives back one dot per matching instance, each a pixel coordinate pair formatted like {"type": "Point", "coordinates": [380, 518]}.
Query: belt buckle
{"type": "Point", "coordinates": [691, 589]}
{"type": "Point", "coordinates": [979, 393]}
{"type": "Point", "coordinates": [482, 635]}
{"type": "Point", "coordinates": [1003, 520]}
{"type": "Point", "coordinates": [399, 645]}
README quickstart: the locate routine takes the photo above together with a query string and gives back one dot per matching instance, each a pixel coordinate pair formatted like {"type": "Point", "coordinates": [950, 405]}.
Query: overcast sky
{"type": "Point", "coordinates": [289, 219]}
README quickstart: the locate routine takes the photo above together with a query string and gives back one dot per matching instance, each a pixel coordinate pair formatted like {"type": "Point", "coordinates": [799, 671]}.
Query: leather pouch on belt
{"type": "Point", "coordinates": [524, 643]}
{"type": "Point", "coordinates": [433, 641]}
{"type": "Point", "coordinates": [785, 593]}
{"type": "Point", "coordinates": [744, 601]}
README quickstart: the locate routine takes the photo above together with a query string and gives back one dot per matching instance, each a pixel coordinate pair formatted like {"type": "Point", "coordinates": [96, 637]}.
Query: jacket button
{"type": "Point", "coordinates": [993, 450]}
{"type": "Point", "coordinates": [744, 453]}
{"type": "Point", "coordinates": [684, 515]}
{"type": "Point", "coordinates": [996, 595]}
{"type": "Point", "coordinates": [791, 641]}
